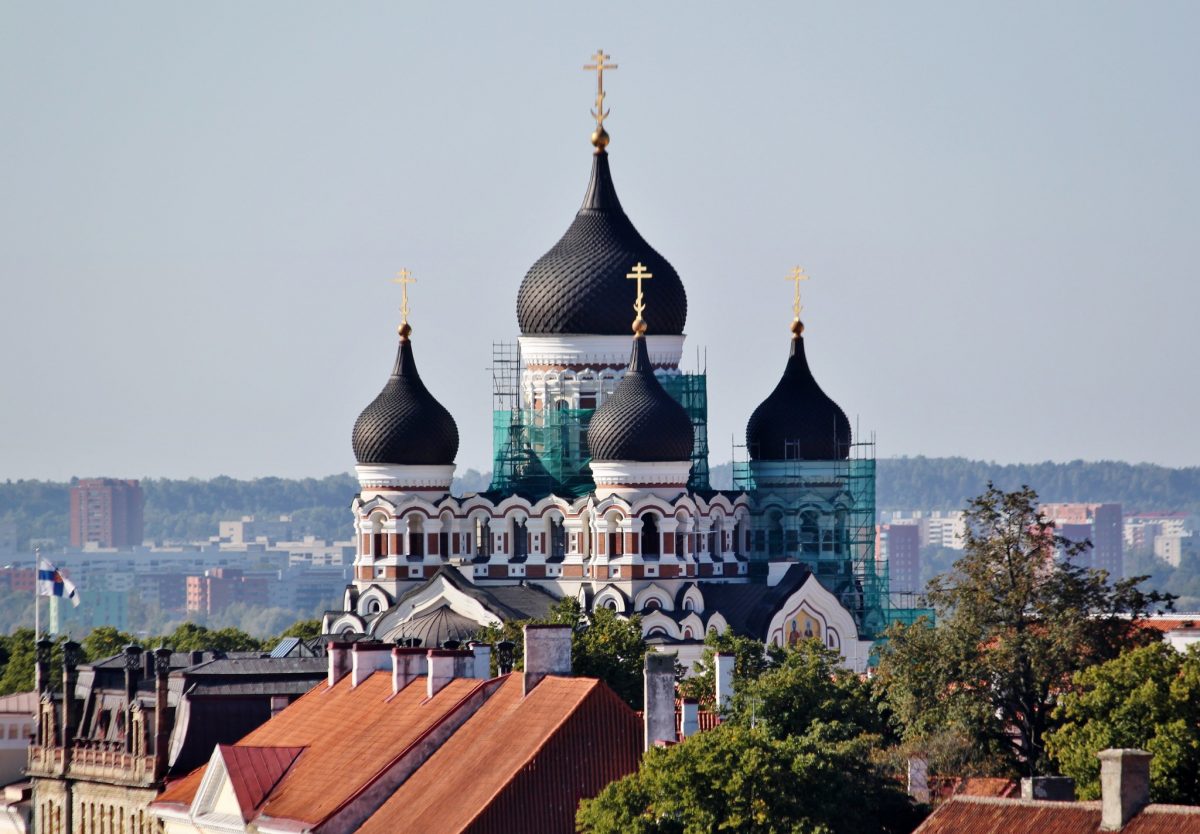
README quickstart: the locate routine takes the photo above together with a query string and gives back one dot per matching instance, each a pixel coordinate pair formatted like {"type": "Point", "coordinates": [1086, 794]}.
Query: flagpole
{"type": "Point", "coordinates": [37, 619]}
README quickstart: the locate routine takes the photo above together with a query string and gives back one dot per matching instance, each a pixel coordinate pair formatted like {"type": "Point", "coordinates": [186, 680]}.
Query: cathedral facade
{"type": "Point", "coordinates": [600, 484]}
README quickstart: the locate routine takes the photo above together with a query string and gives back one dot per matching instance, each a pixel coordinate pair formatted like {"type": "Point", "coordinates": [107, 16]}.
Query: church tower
{"type": "Point", "coordinates": [573, 312]}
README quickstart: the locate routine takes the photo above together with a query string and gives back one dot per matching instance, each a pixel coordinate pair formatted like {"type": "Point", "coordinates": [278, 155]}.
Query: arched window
{"type": "Point", "coordinates": [483, 536]}
{"type": "Point", "coordinates": [809, 533]}
{"type": "Point", "coordinates": [373, 607]}
{"type": "Point", "coordinates": [379, 543]}
{"type": "Point", "coordinates": [687, 634]}
{"type": "Point", "coordinates": [520, 538]}
{"type": "Point", "coordinates": [558, 538]}
{"type": "Point", "coordinates": [416, 535]}
{"type": "Point", "coordinates": [688, 605]}
{"type": "Point", "coordinates": [841, 542]}
{"type": "Point", "coordinates": [680, 532]}
{"type": "Point", "coordinates": [652, 604]}
{"type": "Point", "coordinates": [610, 604]}
{"type": "Point", "coordinates": [775, 534]}
{"type": "Point", "coordinates": [651, 540]}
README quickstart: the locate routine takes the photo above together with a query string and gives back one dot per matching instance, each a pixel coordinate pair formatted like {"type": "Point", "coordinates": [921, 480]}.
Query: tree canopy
{"type": "Point", "coordinates": [796, 753]}
{"type": "Point", "coordinates": [1147, 698]}
{"type": "Point", "coordinates": [1016, 618]}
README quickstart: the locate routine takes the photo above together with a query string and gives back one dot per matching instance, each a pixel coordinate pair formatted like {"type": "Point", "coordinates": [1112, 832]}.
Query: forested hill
{"type": "Point", "coordinates": [946, 483]}
{"type": "Point", "coordinates": [190, 509]}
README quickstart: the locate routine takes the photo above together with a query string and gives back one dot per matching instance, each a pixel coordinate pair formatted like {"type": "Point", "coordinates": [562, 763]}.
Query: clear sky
{"type": "Point", "coordinates": [201, 206]}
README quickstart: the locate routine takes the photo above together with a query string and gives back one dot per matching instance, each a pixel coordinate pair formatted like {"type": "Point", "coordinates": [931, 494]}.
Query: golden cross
{"type": "Point", "coordinates": [797, 275]}
{"type": "Point", "coordinates": [600, 114]}
{"type": "Point", "coordinates": [404, 278]}
{"type": "Point", "coordinates": [639, 274]}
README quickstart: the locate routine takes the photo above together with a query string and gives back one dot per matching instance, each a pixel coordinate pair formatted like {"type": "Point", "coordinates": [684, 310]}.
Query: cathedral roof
{"type": "Point", "coordinates": [640, 421]}
{"type": "Point", "coordinates": [405, 425]}
{"type": "Point", "coordinates": [579, 286]}
{"type": "Point", "coordinates": [798, 421]}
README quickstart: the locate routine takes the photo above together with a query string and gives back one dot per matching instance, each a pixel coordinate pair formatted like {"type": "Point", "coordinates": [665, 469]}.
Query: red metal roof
{"type": "Point", "coordinates": [987, 815]}
{"type": "Point", "coordinates": [521, 763]}
{"type": "Point", "coordinates": [254, 771]}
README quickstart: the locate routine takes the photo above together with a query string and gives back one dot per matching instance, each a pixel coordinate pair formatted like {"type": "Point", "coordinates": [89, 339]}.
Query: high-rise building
{"type": "Point", "coordinates": [1101, 524]}
{"type": "Point", "coordinates": [106, 512]}
{"type": "Point", "coordinates": [899, 546]}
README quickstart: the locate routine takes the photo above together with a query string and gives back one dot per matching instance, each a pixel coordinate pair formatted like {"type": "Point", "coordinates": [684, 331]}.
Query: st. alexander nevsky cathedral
{"type": "Point", "coordinates": [600, 485]}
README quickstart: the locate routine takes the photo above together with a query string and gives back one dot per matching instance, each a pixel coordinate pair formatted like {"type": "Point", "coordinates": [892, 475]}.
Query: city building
{"type": "Point", "coordinates": [600, 479]}
{"type": "Point", "coordinates": [1101, 524]}
{"type": "Point", "coordinates": [1175, 550]}
{"type": "Point", "coordinates": [938, 528]}
{"type": "Point", "coordinates": [106, 512]}
{"type": "Point", "coordinates": [899, 546]}
{"type": "Point", "coordinates": [218, 588]}
{"type": "Point", "coordinates": [117, 730]}
{"type": "Point", "coordinates": [250, 529]}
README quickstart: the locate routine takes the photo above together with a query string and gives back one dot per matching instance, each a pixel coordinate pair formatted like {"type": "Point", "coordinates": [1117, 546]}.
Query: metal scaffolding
{"type": "Point", "coordinates": [543, 451]}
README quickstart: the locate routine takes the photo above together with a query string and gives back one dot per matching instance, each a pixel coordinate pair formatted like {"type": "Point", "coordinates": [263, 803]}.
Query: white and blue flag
{"type": "Point", "coordinates": [51, 583]}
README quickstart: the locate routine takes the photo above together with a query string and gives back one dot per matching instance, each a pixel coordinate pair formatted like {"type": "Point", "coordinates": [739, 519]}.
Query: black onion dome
{"type": "Point", "coordinates": [580, 287]}
{"type": "Point", "coordinates": [405, 424]}
{"type": "Point", "coordinates": [798, 421]}
{"type": "Point", "coordinates": [640, 421]}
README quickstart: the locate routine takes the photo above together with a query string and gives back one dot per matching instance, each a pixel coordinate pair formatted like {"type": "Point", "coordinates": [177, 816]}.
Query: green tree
{"type": "Point", "coordinates": [1014, 622]}
{"type": "Point", "coordinates": [105, 641]}
{"type": "Point", "coordinates": [1147, 698]}
{"type": "Point", "coordinates": [796, 754]}
{"type": "Point", "coordinates": [751, 660]}
{"type": "Point", "coordinates": [304, 629]}
{"type": "Point", "coordinates": [18, 674]}
{"type": "Point", "coordinates": [603, 645]}
{"type": "Point", "coordinates": [191, 637]}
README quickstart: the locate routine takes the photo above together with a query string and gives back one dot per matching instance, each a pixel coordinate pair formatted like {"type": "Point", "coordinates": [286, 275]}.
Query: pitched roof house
{"type": "Point", "coordinates": [415, 740]}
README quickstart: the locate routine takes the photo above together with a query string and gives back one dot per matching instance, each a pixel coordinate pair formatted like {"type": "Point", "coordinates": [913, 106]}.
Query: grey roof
{"type": "Point", "coordinates": [434, 628]}
{"type": "Point", "coordinates": [509, 602]}
{"type": "Point", "coordinates": [749, 606]}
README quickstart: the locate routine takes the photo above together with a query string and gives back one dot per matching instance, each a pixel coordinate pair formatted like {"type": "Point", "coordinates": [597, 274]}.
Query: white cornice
{"type": "Point", "coordinates": [386, 476]}
{"type": "Point", "coordinates": [597, 351]}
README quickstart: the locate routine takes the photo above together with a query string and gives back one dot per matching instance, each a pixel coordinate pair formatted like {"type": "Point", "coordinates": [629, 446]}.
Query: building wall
{"type": "Point", "coordinates": [106, 512]}
{"type": "Point", "coordinates": [900, 546]}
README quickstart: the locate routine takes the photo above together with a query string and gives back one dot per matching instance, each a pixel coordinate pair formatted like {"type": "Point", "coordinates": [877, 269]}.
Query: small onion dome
{"type": "Point", "coordinates": [798, 421]}
{"type": "Point", "coordinates": [579, 286]}
{"type": "Point", "coordinates": [640, 421]}
{"type": "Point", "coordinates": [405, 425]}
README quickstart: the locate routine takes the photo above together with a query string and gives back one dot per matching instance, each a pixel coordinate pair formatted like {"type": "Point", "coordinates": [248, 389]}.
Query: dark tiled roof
{"type": "Point", "coordinates": [405, 424]}
{"type": "Point", "coordinates": [434, 628]}
{"type": "Point", "coordinates": [510, 602]}
{"type": "Point", "coordinates": [640, 421]}
{"type": "Point", "coordinates": [749, 606]}
{"type": "Point", "coordinates": [798, 421]}
{"type": "Point", "coordinates": [579, 286]}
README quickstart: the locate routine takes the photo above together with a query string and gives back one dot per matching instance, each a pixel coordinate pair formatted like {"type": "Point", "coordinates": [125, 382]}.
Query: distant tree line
{"type": "Point", "coordinates": [187, 510]}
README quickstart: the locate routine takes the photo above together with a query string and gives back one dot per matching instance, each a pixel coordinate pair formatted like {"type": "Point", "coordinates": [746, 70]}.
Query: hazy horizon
{"type": "Point", "coordinates": [203, 207]}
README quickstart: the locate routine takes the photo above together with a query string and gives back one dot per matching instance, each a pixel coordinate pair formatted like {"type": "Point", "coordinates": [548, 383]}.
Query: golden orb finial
{"type": "Point", "coordinates": [797, 328]}
{"type": "Point", "coordinates": [600, 135]}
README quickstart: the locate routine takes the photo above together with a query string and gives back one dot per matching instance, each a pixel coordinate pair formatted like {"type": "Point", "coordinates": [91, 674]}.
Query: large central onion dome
{"type": "Point", "coordinates": [579, 286]}
{"type": "Point", "coordinates": [798, 421]}
{"type": "Point", "coordinates": [640, 421]}
{"type": "Point", "coordinates": [405, 425]}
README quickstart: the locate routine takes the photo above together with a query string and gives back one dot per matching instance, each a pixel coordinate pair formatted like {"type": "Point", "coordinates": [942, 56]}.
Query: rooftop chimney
{"type": "Point", "coordinates": [366, 658]}
{"type": "Point", "coordinates": [691, 718]}
{"type": "Point", "coordinates": [724, 676]}
{"type": "Point", "coordinates": [659, 691]}
{"type": "Point", "coordinates": [444, 666]}
{"type": "Point", "coordinates": [339, 661]}
{"type": "Point", "coordinates": [408, 664]}
{"type": "Point", "coordinates": [483, 660]}
{"type": "Point", "coordinates": [1049, 788]}
{"type": "Point", "coordinates": [547, 652]}
{"type": "Point", "coordinates": [1124, 786]}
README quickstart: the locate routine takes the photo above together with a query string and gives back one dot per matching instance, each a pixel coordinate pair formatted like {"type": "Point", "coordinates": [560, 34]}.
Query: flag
{"type": "Point", "coordinates": [51, 583]}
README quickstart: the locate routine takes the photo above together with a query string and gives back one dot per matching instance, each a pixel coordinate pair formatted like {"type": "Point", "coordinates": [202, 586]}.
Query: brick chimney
{"type": "Point", "coordinates": [724, 680]}
{"type": "Point", "coordinates": [659, 691]}
{"type": "Point", "coordinates": [72, 654]}
{"type": "Point", "coordinates": [690, 725]}
{"type": "Point", "coordinates": [408, 664]}
{"type": "Point", "coordinates": [1124, 786]}
{"type": "Point", "coordinates": [547, 652]}
{"type": "Point", "coordinates": [162, 728]}
{"type": "Point", "coordinates": [339, 661]}
{"type": "Point", "coordinates": [367, 657]}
